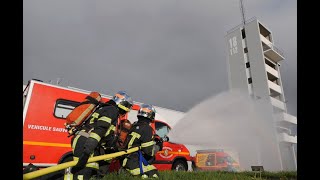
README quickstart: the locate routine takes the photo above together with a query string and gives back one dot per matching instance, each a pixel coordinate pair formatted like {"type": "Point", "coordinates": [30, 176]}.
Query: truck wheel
{"type": "Point", "coordinates": [180, 165]}
{"type": "Point", "coordinates": [66, 157]}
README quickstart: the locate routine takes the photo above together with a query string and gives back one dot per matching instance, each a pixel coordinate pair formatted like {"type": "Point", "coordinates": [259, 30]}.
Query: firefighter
{"type": "Point", "coordinates": [117, 144]}
{"type": "Point", "coordinates": [141, 135]}
{"type": "Point", "coordinates": [101, 125]}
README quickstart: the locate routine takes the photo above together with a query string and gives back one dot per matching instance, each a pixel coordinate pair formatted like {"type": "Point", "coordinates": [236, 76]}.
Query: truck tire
{"type": "Point", "coordinates": [180, 165]}
{"type": "Point", "coordinates": [66, 157]}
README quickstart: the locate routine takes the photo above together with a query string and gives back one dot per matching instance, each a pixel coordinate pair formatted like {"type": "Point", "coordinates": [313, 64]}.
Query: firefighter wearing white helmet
{"type": "Point", "coordinates": [141, 134]}
{"type": "Point", "coordinates": [98, 129]}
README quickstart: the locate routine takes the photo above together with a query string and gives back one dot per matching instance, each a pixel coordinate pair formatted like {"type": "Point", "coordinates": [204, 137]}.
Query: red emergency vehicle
{"type": "Point", "coordinates": [45, 139]}
{"type": "Point", "coordinates": [217, 160]}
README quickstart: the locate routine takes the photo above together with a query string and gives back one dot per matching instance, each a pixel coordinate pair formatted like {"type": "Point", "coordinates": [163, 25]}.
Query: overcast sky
{"type": "Point", "coordinates": [169, 53]}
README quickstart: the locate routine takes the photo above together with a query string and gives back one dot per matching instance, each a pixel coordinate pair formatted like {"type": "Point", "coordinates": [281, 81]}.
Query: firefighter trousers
{"type": "Point", "coordinates": [91, 168]}
{"type": "Point", "coordinates": [133, 164]}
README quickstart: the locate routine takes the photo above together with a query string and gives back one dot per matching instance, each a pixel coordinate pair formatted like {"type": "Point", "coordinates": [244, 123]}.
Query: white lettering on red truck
{"type": "Point", "coordinates": [46, 128]}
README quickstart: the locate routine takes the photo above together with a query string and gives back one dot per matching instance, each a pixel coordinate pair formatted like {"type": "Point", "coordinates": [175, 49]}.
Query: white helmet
{"type": "Point", "coordinates": [147, 110]}
{"type": "Point", "coordinates": [123, 101]}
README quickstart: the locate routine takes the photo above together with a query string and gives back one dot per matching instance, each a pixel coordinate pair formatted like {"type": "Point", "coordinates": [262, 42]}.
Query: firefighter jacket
{"type": "Point", "coordinates": [101, 125]}
{"type": "Point", "coordinates": [141, 134]}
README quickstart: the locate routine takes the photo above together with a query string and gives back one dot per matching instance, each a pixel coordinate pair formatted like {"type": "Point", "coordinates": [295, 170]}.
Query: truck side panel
{"type": "Point", "coordinates": [42, 131]}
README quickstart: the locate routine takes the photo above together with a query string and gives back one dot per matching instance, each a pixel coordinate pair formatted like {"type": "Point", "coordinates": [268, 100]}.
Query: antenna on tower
{"type": "Point", "coordinates": [243, 14]}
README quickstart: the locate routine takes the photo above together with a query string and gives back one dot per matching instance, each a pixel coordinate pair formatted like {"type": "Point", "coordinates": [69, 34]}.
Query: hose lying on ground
{"type": "Point", "coordinates": [65, 165]}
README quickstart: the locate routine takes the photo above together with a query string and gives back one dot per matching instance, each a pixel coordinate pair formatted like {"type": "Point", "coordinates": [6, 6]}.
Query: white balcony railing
{"type": "Point", "coordinates": [284, 137]}
{"type": "Point", "coordinates": [272, 46]}
{"type": "Point", "coordinates": [286, 117]}
{"type": "Point", "coordinates": [277, 103]}
{"type": "Point", "coordinates": [274, 87]}
{"type": "Point", "coordinates": [290, 118]}
{"type": "Point", "coordinates": [265, 40]}
{"type": "Point", "coordinates": [274, 53]}
{"type": "Point", "coordinates": [272, 71]}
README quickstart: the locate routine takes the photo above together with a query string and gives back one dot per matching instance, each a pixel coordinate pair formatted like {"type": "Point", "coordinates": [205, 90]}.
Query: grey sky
{"type": "Point", "coordinates": [170, 53]}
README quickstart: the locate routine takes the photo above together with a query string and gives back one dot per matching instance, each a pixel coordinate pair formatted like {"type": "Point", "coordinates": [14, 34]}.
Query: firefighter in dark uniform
{"type": "Point", "coordinates": [101, 125]}
{"type": "Point", "coordinates": [141, 135]}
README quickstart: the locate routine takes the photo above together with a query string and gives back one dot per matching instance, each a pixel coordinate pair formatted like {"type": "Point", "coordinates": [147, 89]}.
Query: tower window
{"type": "Point", "coordinates": [249, 80]}
{"type": "Point", "coordinates": [243, 33]}
{"type": "Point", "coordinates": [245, 50]}
{"type": "Point", "coordinates": [247, 65]}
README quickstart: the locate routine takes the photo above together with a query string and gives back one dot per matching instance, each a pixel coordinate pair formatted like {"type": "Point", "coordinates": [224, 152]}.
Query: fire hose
{"type": "Point", "coordinates": [41, 172]}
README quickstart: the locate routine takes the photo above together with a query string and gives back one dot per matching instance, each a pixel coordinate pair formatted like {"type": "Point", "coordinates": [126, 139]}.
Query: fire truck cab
{"type": "Point", "coordinates": [45, 139]}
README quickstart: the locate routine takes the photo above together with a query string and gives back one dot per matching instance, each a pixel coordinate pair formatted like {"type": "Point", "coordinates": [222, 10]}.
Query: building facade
{"type": "Point", "coordinates": [254, 66]}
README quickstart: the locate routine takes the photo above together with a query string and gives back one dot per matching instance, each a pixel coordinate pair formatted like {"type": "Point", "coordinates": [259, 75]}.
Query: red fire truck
{"type": "Point", "coordinates": [217, 160]}
{"type": "Point", "coordinates": [45, 139]}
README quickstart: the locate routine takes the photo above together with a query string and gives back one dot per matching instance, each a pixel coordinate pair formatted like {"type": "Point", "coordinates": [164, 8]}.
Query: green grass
{"type": "Point", "coordinates": [208, 175]}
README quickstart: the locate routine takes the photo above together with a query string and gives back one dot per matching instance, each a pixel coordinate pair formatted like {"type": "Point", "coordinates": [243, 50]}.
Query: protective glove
{"type": "Point", "coordinates": [159, 141]}
{"type": "Point", "coordinates": [156, 148]}
{"type": "Point", "coordinates": [81, 162]}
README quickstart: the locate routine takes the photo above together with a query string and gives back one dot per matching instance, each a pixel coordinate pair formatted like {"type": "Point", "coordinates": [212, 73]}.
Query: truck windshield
{"type": "Point", "coordinates": [162, 129]}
